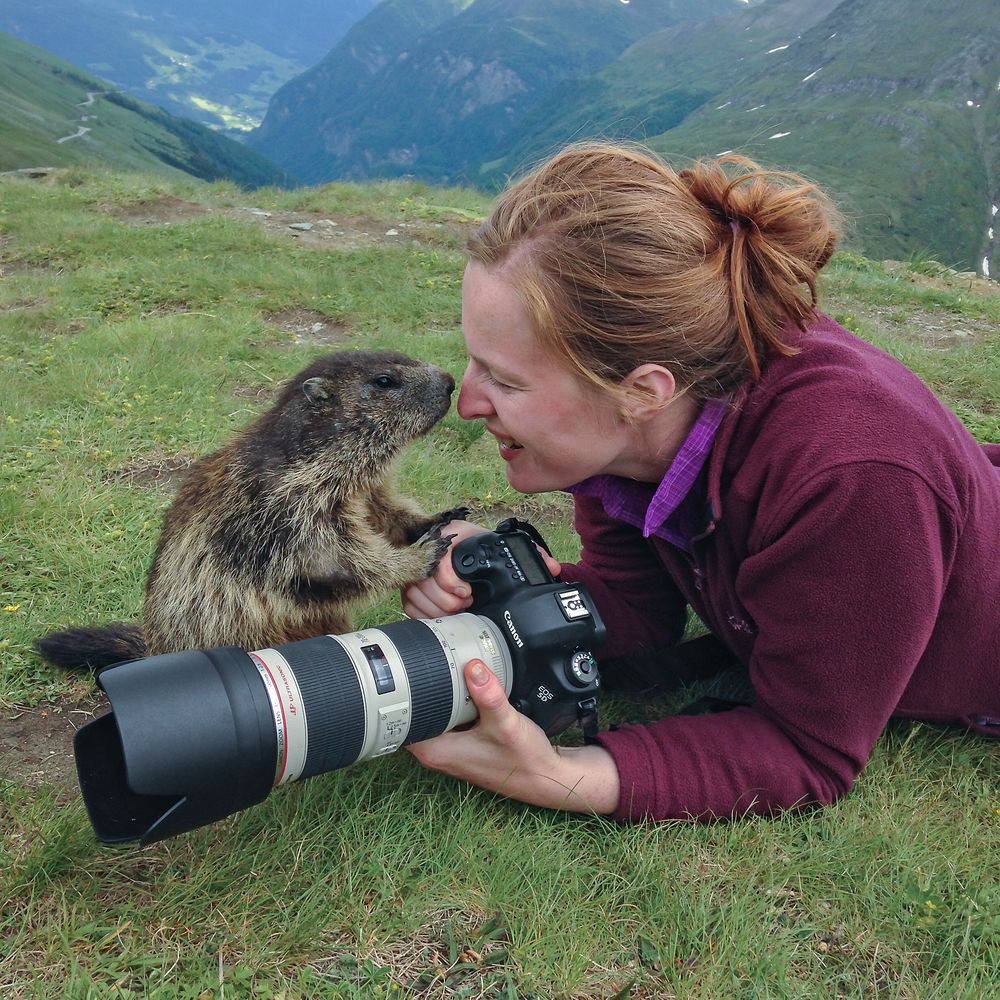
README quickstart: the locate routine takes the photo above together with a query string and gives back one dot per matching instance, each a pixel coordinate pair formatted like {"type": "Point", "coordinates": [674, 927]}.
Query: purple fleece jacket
{"type": "Point", "coordinates": [850, 556]}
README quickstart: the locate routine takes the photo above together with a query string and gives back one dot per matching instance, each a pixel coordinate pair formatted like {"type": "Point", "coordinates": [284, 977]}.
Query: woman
{"type": "Point", "coordinates": [649, 341]}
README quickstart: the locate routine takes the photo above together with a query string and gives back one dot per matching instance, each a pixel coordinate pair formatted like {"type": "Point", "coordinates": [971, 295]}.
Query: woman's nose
{"type": "Point", "coordinates": [471, 404]}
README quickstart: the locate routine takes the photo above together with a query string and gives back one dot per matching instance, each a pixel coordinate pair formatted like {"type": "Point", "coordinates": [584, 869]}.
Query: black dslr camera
{"type": "Point", "coordinates": [194, 736]}
{"type": "Point", "coordinates": [550, 632]}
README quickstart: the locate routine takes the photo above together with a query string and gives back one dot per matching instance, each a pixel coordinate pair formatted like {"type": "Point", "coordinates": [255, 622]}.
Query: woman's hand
{"type": "Point", "coordinates": [505, 752]}
{"type": "Point", "coordinates": [445, 593]}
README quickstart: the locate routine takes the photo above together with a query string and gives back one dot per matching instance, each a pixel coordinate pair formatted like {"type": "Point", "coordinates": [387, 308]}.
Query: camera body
{"type": "Point", "coordinates": [550, 628]}
{"type": "Point", "coordinates": [196, 735]}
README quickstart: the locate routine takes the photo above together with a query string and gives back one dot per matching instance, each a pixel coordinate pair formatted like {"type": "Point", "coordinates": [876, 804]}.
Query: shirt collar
{"type": "Point", "coordinates": [639, 504]}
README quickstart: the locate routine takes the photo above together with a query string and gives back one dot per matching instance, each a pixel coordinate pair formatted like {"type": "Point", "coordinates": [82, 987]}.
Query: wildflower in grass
{"type": "Point", "coordinates": [11, 608]}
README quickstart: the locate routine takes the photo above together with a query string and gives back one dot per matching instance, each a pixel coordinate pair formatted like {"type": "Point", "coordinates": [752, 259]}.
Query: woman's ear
{"type": "Point", "coordinates": [649, 388]}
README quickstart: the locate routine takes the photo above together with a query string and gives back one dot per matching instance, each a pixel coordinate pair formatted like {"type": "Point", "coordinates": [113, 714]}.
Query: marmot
{"type": "Point", "coordinates": [275, 536]}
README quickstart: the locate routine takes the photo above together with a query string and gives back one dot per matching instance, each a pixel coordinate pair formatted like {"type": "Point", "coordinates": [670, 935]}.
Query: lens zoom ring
{"type": "Point", "coordinates": [335, 708]}
{"type": "Point", "coordinates": [429, 676]}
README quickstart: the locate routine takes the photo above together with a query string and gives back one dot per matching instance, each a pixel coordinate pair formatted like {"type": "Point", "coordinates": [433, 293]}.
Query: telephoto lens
{"type": "Point", "coordinates": [227, 726]}
{"type": "Point", "coordinates": [196, 735]}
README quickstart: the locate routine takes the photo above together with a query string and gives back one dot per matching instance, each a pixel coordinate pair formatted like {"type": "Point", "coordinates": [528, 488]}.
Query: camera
{"type": "Point", "coordinates": [197, 735]}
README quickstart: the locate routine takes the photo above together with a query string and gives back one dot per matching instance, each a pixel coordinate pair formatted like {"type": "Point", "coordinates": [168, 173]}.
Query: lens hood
{"type": "Point", "coordinates": [189, 739]}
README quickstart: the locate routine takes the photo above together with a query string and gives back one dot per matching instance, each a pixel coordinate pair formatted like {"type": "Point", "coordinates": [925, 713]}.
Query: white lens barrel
{"type": "Point", "coordinates": [465, 637]}
{"type": "Point", "coordinates": [367, 693]}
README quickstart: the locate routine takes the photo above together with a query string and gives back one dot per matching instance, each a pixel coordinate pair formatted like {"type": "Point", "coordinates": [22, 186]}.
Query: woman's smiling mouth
{"type": "Point", "coordinates": [508, 446]}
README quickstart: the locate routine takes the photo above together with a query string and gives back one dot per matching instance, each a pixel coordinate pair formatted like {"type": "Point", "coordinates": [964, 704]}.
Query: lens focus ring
{"type": "Point", "coordinates": [335, 708]}
{"type": "Point", "coordinates": [431, 686]}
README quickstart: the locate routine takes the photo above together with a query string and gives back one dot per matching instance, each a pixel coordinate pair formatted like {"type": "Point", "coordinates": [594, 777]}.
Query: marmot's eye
{"type": "Point", "coordinates": [385, 382]}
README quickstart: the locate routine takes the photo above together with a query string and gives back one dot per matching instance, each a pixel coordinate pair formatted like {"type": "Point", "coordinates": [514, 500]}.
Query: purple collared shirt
{"type": "Point", "coordinates": [673, 510]}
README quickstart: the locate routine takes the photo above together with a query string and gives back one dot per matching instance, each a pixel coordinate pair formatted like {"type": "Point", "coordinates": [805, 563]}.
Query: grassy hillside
{"type": "Point", "coordinates": [894, 106]}
{"type": "Point", "coordinates": [142, 322]}
{"type": "Point", "coordinates": [656, 83]}
{"type": "Point", "coordinates": [53, 114]}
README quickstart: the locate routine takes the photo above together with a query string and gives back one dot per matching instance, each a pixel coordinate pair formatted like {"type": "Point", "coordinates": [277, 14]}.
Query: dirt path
{"type": "Point", "coordinates": [81, 130]}
{"type": "Point", "coordinates": [332, 232]}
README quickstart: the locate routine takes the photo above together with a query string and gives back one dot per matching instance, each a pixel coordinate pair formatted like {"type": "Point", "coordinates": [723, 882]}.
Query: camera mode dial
{"type": "Point", "coordinates": [582, 668]}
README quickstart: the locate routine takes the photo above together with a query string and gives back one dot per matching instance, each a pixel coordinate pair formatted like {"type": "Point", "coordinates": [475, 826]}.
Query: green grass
{"type": "Point", "coordinates": [127, 349]}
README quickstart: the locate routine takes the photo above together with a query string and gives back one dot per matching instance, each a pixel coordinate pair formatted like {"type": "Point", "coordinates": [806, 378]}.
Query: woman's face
{"type": "Point", "coordinates": [552, 431]}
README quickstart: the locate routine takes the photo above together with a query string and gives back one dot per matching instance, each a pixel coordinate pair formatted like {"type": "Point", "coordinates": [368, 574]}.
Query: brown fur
{"type": "Point", "coordinates": [276, 536]}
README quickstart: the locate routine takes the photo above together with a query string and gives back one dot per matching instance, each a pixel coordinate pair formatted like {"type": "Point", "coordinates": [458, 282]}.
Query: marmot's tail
{"type": "Point", "coordinates": [91, 648]}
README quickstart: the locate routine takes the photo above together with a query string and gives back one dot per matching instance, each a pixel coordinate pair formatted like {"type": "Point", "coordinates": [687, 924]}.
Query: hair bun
{"type": "Point", "coordinates": [622, 260]}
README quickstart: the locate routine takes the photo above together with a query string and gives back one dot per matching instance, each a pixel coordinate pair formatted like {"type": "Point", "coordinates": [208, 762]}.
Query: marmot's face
{"type": "Point", "coordinates": [367, 403]}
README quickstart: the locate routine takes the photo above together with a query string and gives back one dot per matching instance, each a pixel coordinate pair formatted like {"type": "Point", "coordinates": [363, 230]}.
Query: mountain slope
{"type": "Point", "coordinates": [893, 105]}
{"type": "Point", "coordinates": [216, 61]}
{"type": "Point", "coordinates": [435, 102]}
{"type": "Point", "coordinates": [308, 119]}
{"type": "Point", "coordinates": [52, 114]}
{"type": "Point", "coordinates": [656, 83]}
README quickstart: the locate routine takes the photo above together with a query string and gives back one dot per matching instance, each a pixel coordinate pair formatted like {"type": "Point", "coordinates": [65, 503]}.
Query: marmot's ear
{"type": "Point", "coordinates": [318, 389]}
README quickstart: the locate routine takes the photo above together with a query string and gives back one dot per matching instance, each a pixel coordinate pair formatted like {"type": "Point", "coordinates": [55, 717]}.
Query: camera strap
{"type": "Point", "coordinates": [515, 524]}
{"type": "Point", "coordinates": [587, 715]}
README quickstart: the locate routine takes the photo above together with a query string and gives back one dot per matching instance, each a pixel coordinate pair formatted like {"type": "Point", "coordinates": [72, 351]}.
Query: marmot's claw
{"type": "Point", "coordinates": [460, 513]}
{"type": "Point", "coordinates": [438, 544]}
{"type": "Point", "coordinates": [455, 514]}
{"type": "Point", "coordinates": [431, 534]}
{"type": "Point", "coordinates": [438, 522]}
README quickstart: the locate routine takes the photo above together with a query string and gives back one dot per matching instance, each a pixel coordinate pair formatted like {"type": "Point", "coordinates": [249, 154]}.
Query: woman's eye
{"type": "Point", "coordinates": [495, 381]}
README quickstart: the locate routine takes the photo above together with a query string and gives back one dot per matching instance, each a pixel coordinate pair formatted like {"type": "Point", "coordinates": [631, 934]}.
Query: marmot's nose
{"type": "Point", "coordinates": [449, 383]}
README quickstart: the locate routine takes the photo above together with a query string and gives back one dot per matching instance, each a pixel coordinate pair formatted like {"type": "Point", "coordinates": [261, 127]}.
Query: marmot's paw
{"type": "Point", "coordinates": [436, 545]}
{"type": "Point", "coordinates": [455, 514]}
